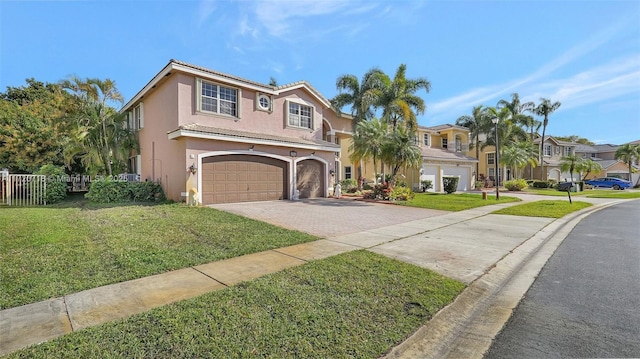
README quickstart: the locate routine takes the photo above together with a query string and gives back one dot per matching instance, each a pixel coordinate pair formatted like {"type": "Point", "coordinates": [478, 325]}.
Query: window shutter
{"type": "Point", "coordinates": [141, 115]}
{"type": "Point", "coordinates": [139, 164]}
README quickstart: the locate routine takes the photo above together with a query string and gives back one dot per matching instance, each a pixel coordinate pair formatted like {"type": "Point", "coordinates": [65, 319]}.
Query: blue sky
{"type": "Point", "coordinates": [585, 54]}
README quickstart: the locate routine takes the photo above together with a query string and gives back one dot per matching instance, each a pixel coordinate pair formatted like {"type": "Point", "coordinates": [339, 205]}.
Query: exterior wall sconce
{"type": "Point", "coordinates": [332, 172]}
{"type": "Point", "coordinates": [313, 153]}
{"type": "Point", "coordinates": [293, 153]}
{"type": "Point", "coordinates": [193, 169]}
{"type": "Point", "coordinates": [251, 147]}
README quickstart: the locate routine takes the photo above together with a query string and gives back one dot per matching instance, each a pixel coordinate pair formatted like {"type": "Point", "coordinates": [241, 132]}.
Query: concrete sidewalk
{"type": "Point", "coordinates": [464, 245]}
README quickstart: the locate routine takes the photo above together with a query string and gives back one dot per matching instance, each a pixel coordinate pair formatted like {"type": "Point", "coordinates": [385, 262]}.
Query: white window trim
{"type": "Point", "coordinates": [350, 172]}
{"type": "Point", "coordinates": [199, 109]}
{"type": "Point", "coordinates": [259, 106]}
{"type": "Point", "coordinates": [567, 151]}
{"type": "Point", "coordinates": [302, 103]}
{"type": "Point", "coordinates": [544, 152]}
{"type": "Point", "coordinates": [138, 123]}
{"type": "Point", "coordinates": [426, 137]}
{"type": "Point", "coordinates": [494, 158]}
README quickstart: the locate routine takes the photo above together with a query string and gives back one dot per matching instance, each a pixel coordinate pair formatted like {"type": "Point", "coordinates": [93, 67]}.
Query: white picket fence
{"type": "Point", "coordinates": [22, 190]}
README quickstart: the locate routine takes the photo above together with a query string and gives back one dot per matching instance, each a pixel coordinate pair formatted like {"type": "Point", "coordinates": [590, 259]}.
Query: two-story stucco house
{"type": "Point", "coordinates": [552, 153]}
{"type": "Point", "coordinates": [209, 137]}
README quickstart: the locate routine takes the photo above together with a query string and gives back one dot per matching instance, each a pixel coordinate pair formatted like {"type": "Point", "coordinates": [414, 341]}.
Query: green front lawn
{"type": "Point", "coordinates": [48, 252]}
{"type": "Point", "coordinates": [454, 202]}
{"type": "Point", "coordinates": [357, 304]}
{"type": "Point", "coordinates": [550, 209]}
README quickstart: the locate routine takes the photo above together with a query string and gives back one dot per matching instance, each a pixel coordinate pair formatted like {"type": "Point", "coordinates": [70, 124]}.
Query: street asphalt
{"type": "Point", "coordinates": [585, 303]}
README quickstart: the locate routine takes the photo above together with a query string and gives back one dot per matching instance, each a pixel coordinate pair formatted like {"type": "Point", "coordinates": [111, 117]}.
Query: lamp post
{"type": "Point", "coordinates": [495, 122]}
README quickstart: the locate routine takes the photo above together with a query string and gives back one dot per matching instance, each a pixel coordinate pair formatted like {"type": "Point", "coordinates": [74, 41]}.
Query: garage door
{"type": "Point", "coordinates": [310, 179]}
{"type": "Point", "coordinates": [242, 178]}
{"type": "Point", "coordinates": [462, 172]}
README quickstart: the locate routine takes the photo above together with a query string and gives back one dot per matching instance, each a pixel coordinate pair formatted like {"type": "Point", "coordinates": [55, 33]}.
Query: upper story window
{"type": "Point", "coordinates": [415, 140]}
{"type": "Point", "coordinates": [458, 144]}
{"type": "Point", "coordinates": [547, 150]}
{"type": "Point", "coordinates": [445, 143]}
{"type": "Point", "coordinates": [263, 102]}
{"type": "Point", "coordinates": [491, 158]}
{"type": "Point", "coordinates": [219, 99]}
{"type": "Point", "coordinates": [300, 115]}
{"type": "Point", "coordinates": [425, 139]}
{"type": "Point", "coordinates": [567, 151]}
{"type": "Point", "coordinates": [135, 118]}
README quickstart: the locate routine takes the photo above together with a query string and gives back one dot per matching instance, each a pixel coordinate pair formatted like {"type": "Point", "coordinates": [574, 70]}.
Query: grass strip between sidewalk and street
{"type": "Point", "coordinates": [357, 305]}
{"type": "Point", "coordinates": [547, 208]}
{"type": "Point", "coordinates": [49, 252]}
{"type": "Point", "coordinates": [592, 193]}
{"type": "Point", "coordinates": [454, 202]}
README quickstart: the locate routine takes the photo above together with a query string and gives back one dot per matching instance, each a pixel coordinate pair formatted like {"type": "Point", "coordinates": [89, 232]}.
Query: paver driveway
{"type": "Point", "coordinates": [328, 217]}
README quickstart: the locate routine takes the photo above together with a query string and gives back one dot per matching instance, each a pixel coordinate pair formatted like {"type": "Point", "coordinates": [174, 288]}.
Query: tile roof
{"type": "Point", "coordinates": [444, 155]}
{"type": "Point", "coordinates": [195, 127]}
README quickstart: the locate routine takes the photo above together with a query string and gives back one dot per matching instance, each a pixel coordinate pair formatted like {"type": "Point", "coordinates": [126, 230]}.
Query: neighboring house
{"type": "Point", "coordinates": [605, 156]}
{"type": "Point", "coordinates": [209, 137]}
{"type": "Point", "coordinates": [445, 152]}
{"type": "Point", "coordinates": [551, 155]}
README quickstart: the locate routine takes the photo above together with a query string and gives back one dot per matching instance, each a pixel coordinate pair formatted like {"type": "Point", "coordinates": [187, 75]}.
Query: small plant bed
{"type": "Point", "coordinates": [357, 304]}
{"type": "Point", "coordinates": [49, 252]}
{"type": "Point", "coordinates": [454, 202]}
{"type": "Point", "coordinates": [547, 208]}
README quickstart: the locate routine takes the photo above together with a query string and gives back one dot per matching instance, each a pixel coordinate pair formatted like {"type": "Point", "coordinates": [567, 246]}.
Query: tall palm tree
{"type": "Point", "coordinates": [517, 155]}
{"type": "Point", "coordinates": [368, 141]}
{"type": "Point", "coordinates": [398, 100]}
{"type": "Point", "coordinates": [570, 163]}
{"type": "Point", "coordinates": [478, 123]}
{"type": "Point", "coordinates": [357, 94]}
{"type": "Point", "coordinates": [628, 153]}
{"type": "Point", "coordinates": [400, 150]}
{"type": "Point", "coordinates": [518, 111]}
{"type": "Point", "coordinates": [545, 108]}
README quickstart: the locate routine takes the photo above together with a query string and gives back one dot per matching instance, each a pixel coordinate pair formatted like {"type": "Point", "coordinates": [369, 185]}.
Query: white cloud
{"type": "Point", "coordinates": [205, 9]}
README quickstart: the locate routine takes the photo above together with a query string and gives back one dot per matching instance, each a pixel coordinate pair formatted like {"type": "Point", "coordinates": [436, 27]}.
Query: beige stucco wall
{"type": "Point", "coordinates": [162, 159]}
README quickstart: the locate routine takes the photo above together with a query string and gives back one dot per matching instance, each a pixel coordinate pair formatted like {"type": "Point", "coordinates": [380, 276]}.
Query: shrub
{"type": "Point", "coordinates": [113, 191]}
{"type": "Point", "coordinates": [540, 184]}
{"type": "Point", "coordinates": [401, 193]}
{"type": "Point", "coordinates": [479, 184]}
{"type": "Point", "coordinates": [56, 186]}
{"type": "Point", "coordinates": [401, 184]}
{"type": "Point", "coordinates": [379, 192]}
{"type": "Point", "coordinates": [516, 185]}
{"type": "Point", "coordinates": [349, 185]}
{"type": "Point", "coordinates": [450, 184]}
{"type": "Point", "coordinates": [426, 185]}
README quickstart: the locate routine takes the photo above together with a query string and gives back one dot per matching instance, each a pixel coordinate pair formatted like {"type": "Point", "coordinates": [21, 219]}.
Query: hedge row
{"type": "Point", "coordinates": [110, 191]}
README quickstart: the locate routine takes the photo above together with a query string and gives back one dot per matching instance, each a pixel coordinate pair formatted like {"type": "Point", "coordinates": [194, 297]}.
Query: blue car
{"type": "Point", "coordinates": [609, 182]}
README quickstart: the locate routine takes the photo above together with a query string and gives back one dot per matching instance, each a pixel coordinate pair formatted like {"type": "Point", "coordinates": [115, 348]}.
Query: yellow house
{"type": "Point", "coordinates": [444, 149]}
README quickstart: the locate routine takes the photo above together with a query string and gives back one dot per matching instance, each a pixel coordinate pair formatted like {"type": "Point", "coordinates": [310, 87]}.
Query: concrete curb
{"type": "Point", "coordinates": [466, 328]}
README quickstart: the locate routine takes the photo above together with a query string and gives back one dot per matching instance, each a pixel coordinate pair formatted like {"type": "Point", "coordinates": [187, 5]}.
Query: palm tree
{"type": "Point", "coordinates": [478, 123]}
{"type": "Point", "coordinates": [587, 167]}
{"type": "Point", "coordinates": [398, 100]}
{"type": "Point", "coordinates": [517, 155]}
{"type": "Point", "coordinates": [399, 150]}
{"type": "Point", "coordinates": [368, 141]}
{"type": "Point", "coordinates": [628, 153]}
{"type": "Point", "coordinates": [357, 95]}
{"type": "Point", "coordinates": [101, 137]}
{"type": "Point", "coordinates": [570, 163]}
{"type": "Point", "coordinates": [545, 108]}
{"type": "Point", "coordinates": [518, 110]}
